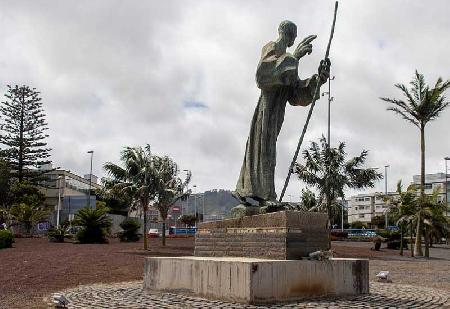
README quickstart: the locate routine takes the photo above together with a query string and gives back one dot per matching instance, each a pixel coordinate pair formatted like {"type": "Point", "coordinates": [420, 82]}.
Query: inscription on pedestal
{"type": "Point", "coordinates": [281, 235]}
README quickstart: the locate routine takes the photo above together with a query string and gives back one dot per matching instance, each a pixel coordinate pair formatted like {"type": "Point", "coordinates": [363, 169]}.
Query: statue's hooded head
{"type": "Point", "coordinates": [288, 32]}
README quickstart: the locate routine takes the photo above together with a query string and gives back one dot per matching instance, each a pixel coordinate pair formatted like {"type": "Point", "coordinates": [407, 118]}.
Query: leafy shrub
{"type": "Point", "coordinates": [384, 234]}
{"type": "Point", "coordinates": [188, 219]}
{"type": "Point", "coordinates": [358, 225]}
{"type": "Point", "coordinates": [130, 230]}
{"type": "Point", "coordinates": [57, 234]}
{"type": "Point", "coordinates": [6, 239]}
{"type": "Point", "coordinates": [94, 225]}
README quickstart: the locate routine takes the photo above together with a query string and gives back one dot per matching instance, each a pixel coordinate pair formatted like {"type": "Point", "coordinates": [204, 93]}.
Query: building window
{"type": "Point", "coordinates": [361, 215]}
{"type": "Point", "coordinates": [428, 186]}
{"type": "Point", "coordinates": [367, 199]}
{"type": "Point", "coordinates": [356, 207]}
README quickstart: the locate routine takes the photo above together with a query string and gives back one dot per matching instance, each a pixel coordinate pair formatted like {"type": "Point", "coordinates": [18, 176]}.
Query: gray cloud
{"type": "Point", "coordinates": [115, 73]}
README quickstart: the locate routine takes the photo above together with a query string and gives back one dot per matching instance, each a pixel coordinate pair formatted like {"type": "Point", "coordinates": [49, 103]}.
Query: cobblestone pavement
{"type": "Point", "coordinates": [131, 295]}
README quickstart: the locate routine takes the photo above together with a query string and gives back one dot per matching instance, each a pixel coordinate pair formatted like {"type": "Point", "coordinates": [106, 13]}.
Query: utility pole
{"type": "Point", "coordinates": [330, 98]}
{"type": "Point", "coordinates": [195, 204]}
{"type": "Point", "coordinates": [90, 179]}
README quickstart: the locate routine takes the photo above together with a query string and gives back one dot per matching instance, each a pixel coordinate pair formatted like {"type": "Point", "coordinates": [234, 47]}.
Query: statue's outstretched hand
{"type": "Point", "coordinates": [304, 47]}
{"type": "Point", "coordinates": [324, 70]}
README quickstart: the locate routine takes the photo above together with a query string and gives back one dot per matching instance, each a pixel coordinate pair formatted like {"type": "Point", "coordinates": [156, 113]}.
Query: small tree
{"type": "Point", "coordinates": [188, 219]}
{"type": "Point", "coordinates": [24, 129]}
{"type": "Point", "coordinates": [404, 210]}
{"type": "Point", "coordinates": [170, 188]}
{"type": "Point", "coordinates": [130, 231]}
{"type": "Point", "coordinates": [29, 215]}
{"type": "Point", "coordinates": [423, 104]}
{"type": "Point", "coordinates": [95, 224]}
{"type": "Point", "coordinates": [28, 205]}
{"type": "Point", "coordinates": [357, 225]}
{"type": "Point", "coordinates": [5, 183]}
{"type": "Point", "coordinates": [327, 169]}
{"type": "Point", "coordinates": [136, 179]}
{"type": "Point", "coordinates": [378, 221]}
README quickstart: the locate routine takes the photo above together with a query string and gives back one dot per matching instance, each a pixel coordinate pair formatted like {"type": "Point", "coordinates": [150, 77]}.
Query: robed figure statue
{"type": "Point", "coordinates": [277, 77]}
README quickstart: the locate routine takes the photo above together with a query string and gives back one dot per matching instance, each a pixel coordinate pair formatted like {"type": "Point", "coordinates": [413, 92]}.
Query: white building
{"type": "Point", "coordinates": [363, 207]}
{"type": "Point", "coordinates": [434, 182]}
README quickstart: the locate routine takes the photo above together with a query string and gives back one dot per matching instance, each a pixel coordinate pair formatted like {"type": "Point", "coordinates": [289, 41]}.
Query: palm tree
{"type": "Point", "coordinates": [434, 217]}
{"type": "Point", "coordinates": [95, 223]}
{"type": "Point", "coordinates": [327, 169]}
{"type": "Point", "coordinates": [170, 188]}
{"type": "Point", "coordinates": [404, 210]}
{"type": "Point", "coordinates": [136, 178]}
{"type": "Point", "coordinates": [423, 104]}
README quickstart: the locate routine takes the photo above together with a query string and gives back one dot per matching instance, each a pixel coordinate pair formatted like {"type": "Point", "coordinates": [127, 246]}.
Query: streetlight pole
{"type": "Point", "coordinates": [195, 204]}
{"type": "Point", "coordinates": [203, 206]}
{"type": "Point", "coordinates": [385, 192]}
{"type": "Point", "coordinates": [330, 98]}
{"type": "Point", "coordinates": [90, 179]}
{"type": "Point", "coordinates": [59, 201]}
{"type": "Point", "coordinates": [342, 215]}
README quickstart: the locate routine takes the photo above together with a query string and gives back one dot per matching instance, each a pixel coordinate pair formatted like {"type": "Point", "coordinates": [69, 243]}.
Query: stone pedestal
{"type": "Point", "coordinates": [257, 281]}
{"type": "Point", "coordinates": [281, 235]}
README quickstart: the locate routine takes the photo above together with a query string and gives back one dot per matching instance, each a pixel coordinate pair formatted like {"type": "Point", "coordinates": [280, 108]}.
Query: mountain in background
{"type": "Point", "coordinates": [215, 202]}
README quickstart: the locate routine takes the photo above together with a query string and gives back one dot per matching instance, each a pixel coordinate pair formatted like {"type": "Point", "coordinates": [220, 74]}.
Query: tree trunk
{"type": "Point", "coordinates": [21, 143]}
{"type": "Point", "coordinates": [426, 237]}
{"type": "Point", "coordinates": [145, 227]}
{"type": "Point", "coordinates": [418, 244]}
{"type": "Point", "coordinates": [401, 239]}
{"type": "Point", "coordinates": [164, 232]}
{"type": "Point", "coordinates": [411, 239]}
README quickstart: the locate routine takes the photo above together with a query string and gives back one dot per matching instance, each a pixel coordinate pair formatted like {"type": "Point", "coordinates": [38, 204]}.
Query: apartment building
{"type": "Point", "coordinates": [363, 207]}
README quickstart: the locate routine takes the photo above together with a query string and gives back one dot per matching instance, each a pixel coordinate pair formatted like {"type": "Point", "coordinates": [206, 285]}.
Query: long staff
{"type": "Point", "coordinates": [291, 168]}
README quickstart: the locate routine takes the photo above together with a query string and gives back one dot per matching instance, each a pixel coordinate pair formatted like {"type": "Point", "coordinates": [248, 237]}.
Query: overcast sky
{"type": "Point", "coordinates": [179, 75]}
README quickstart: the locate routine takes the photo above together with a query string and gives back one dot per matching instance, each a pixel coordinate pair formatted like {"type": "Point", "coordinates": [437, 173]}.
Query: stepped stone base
{"type": "Point", "coordinates": [257, 281]}
{"type": "Point", "coordinates": [284, 235]}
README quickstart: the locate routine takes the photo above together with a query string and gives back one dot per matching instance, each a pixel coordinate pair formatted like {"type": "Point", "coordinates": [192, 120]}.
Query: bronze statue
{"type": "Point", "coordinates": [277, 77]}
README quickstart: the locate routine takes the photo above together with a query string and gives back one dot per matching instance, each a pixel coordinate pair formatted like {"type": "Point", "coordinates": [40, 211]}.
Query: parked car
{"type": "Point", "coordinates": [153, 233]}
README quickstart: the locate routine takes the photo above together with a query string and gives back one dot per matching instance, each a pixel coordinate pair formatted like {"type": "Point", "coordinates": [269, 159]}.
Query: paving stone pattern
{"type": "Point", "coordinates": [131, 295]}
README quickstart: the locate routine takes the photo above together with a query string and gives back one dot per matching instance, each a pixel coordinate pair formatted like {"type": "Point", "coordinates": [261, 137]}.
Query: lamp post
{"type": "Point", "coordinates": [90, 179]}
{"type": "Point", "coordinates": [59, 201]}
{"type": "Point", "coordinates": [330, 98]}
{"type": "Point", "coordinates": [195, 204]}
{"type": "Point", "coordinates": [342, 215]}
{"type": "Point", "coordinates": [385, 192]}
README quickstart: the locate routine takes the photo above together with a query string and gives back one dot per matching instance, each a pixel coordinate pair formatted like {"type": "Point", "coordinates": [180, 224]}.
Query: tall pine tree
{"type": "Point", "coordinates": [23, 129]}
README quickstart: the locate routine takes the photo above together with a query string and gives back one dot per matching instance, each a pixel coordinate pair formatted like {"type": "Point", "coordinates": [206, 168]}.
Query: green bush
{"type": "Point", "coordinates": [384, 233]}
{"type": "Point", "coordinates": [6, 239]}
{"type": "Point", "coordinates": [130, 230]}
{"type": "Point", "coordinates": [94, 225]}
{"type": "Point", "coordinates": [358, 225]}
{"type": "Point", "coordinates": [56, 234]}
